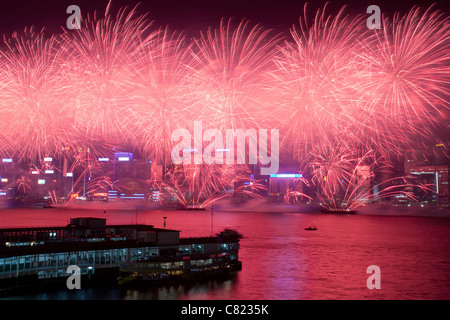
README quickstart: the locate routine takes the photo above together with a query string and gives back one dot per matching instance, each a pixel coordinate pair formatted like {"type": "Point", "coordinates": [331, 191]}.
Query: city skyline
{"type": "Point", "coordinates": [341, 99]}
{"type": "Point", "coordinates": [250, 150]}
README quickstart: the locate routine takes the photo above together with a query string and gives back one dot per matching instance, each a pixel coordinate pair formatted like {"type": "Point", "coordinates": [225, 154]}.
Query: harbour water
{"type": "Point", "coordinates": [283, 261]}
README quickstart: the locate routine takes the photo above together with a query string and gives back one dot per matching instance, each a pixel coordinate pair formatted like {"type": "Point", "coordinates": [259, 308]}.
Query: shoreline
{"type": "Point", "coordinates": [252, 206]}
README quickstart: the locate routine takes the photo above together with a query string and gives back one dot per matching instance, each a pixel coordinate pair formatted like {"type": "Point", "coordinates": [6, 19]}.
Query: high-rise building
{"type": "Point", "coordinates": [284, 184]}
{"type": "Point", "coordinates": [430, 168]}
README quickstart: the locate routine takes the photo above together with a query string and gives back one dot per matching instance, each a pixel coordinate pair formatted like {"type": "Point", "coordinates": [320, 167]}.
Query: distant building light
{"type": "Point", "coordinates": [189, 150]}
{"type": "Point", "coordinates": [286, 175]}
{"type": "Point", "coordinates": [119, 155]}
{"type": "Point", "coordinates": [4, 180]}
{"type": "Point", "coordinates": [422, 172]}
{"type": "Point", "coordinates": [41, 181]}
{"type": "Point", "coordinates": [34, 172]}
{"type": "Point", "coordinates": [48, 159]}
{"type": "Point", "coordinates": [69, 174]}
{"type": "Point", "coordinates": [49, 171]}
{"type": "Point", "coordinates": [100, 194]}
{"type": "Point", "coordinates": [222, 150]}
{"type": "Point", "coordinates": [7, 160]}
{"type": "Point", "coordinates": [129, 197]}
{"type": "Point", "coordinates": [124, 159]}
{"type": "Point", "coordinates": [103, 159]}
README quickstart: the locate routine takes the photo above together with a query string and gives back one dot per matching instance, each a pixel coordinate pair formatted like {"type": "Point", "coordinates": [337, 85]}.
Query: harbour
{"type": "Point", "coordinates": [280, 259]}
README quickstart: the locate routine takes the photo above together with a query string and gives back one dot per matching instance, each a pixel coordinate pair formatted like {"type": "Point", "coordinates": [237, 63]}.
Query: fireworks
{"type": "Point", "coordinates": [201, 185]}
{"type": "Point", "coordinates": [406, 80]}
{"type": "Point", "coordinates": [347, 180]}
{"type": "Point", "coordinates": [230, 78]}
{"type": "Point", "coordinates": [381, 89]}
{"type": "Point", "coordinates": [315, 75]}
{"type": "Point", "coordinates": [97, 62]}
{"type": "Point", "coordinates": [33, 116]}
{"type": "Point", "coordinates": [333, 87]}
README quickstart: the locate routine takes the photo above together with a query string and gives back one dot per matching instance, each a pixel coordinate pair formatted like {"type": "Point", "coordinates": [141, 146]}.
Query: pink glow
{"type": "Point", "coordinates": [123, 80]}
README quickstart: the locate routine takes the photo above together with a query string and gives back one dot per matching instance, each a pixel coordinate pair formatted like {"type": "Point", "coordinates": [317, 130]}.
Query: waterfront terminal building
{"type": "Point", "coordinates": [32, 256]}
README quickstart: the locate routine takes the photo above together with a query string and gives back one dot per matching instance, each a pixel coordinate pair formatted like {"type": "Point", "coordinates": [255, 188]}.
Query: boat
{"type": "Point", "coordinates": [311, 227]}
{"type": "Point", "coordinates": [338, 211]}
{"type": "Point", "coordinates": [190, 207]}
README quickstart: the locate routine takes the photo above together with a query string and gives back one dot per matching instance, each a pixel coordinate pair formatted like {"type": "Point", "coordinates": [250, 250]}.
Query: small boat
{"type": "Point", "coordinates": [338, 211]}
{"type": "Point", "coordinates": [190, 207]}
{"type": "Point", "coordinates": [311, 227]}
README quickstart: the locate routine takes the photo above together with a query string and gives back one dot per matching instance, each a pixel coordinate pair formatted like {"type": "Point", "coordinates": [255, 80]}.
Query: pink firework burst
{"type": "Point", "coordinates": [160, 92]}
{"type": "Point", "coordinates": [405, 78]}
{"type": "Point", "coordinates": [316, 76]}
{"type": "Point", "coordinates": [230, 76]}
{"type": "Point", "coordinates": [33, 99]}
{"type": "Point", "coordinates": [99, 57]}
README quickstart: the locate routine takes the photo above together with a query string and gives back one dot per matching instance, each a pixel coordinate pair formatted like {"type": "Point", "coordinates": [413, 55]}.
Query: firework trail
{"type": "Point", "coordinates": [230, 77]}
{"type": "Point", "coordinates": [34, 120]}
{"type": "Point", "coordinates": [342, 81]}
{"type": "Point", "coordinates": [345, 178]}
{"type": "Point", "coordinates": [161, 92]}
{"type": "Point", "coordinates": [201, 185]}
{"type": "Point", "coordinates": [316, 75]}
{"type": "Point", "coordinates": [97, 59]}
{"type": "Point", "coordinates": [405, 79]}
{"type": "Point", "coordinates": [24, 183]}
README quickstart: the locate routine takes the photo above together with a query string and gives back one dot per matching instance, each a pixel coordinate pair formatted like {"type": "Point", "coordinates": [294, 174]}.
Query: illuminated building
{"type": "Point", "coordinates": [430, 167]}
{"type": "Point", "coordinates": [281, 184]}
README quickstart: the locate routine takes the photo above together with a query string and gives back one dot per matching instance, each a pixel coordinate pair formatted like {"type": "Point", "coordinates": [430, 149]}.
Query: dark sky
{"type": "Point", "coordinates": [189, 15]}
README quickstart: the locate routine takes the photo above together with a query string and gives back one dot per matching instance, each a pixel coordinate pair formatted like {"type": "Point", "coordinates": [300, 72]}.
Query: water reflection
{"type": "Point", "coordinates": [281, 260]}
{"type": "Point", "coordinates": [215, 289]}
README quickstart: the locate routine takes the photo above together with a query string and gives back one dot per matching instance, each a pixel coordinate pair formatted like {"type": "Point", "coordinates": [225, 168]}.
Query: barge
{"type": "Point", "coordinates": [338, 211]}
{"type": "Point", "coordinates": [124, 254]}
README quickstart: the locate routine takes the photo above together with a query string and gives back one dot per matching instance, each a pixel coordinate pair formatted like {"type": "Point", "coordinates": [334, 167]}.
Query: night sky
{"type": "Point", "coordinates": [189, 15]}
